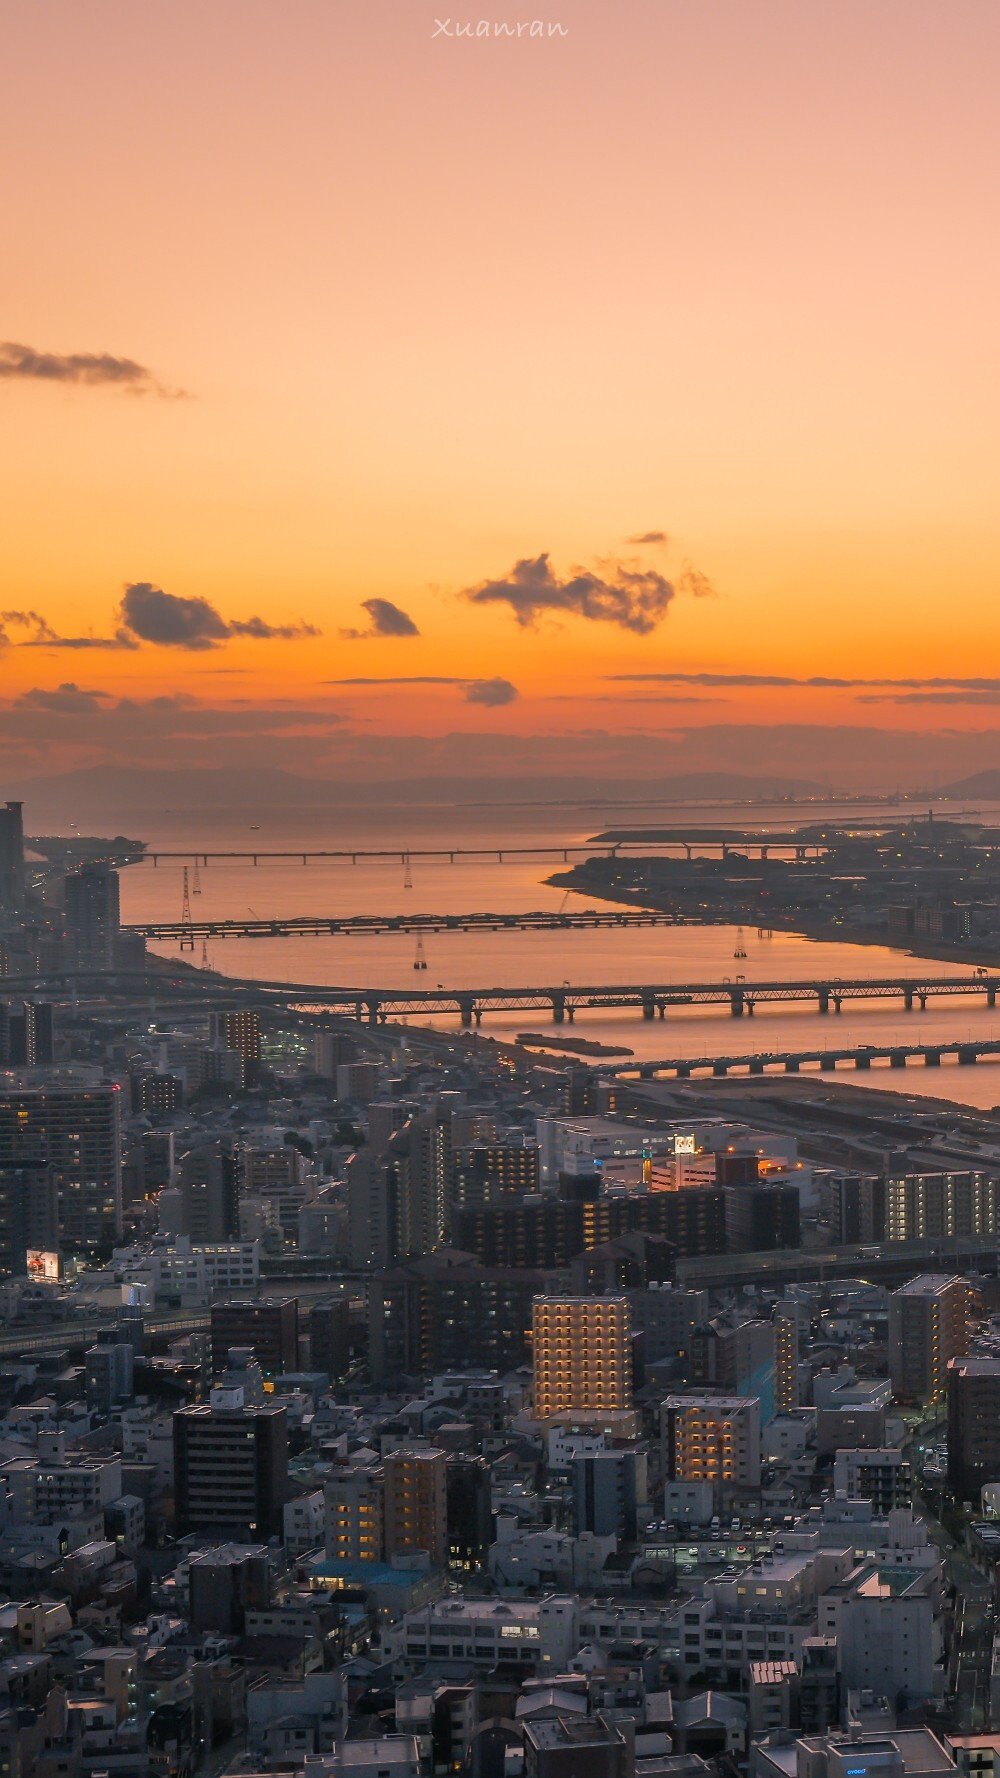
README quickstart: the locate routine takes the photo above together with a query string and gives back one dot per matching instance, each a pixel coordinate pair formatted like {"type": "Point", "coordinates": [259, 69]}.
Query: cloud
{"type": "Point", "coordinates": [650, 537]}
{"type": "Point", "coordinates": [816, 682]}
{"type": "Point", "coordinates": [86, 369]}
{"type": "Point", "coordinates": [635, 599]}
{"type": "Point", "coordinates": [491, 692]}
{"type": "Point", "coordinates": [386, 620]}
{"type": "Point", "coordinates": [170, 621]}
{"type": "Point", "coordinates": [66, 699]}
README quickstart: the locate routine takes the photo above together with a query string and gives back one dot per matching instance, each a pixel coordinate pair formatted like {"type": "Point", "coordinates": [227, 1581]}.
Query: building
{"type": "Point", "coordinates": [416, 1504]}
{"type": "Point", "coordinates": [883, 1477]}
{"type": "Point", "coordinates": [76, 1132]}
{"type": "Point", "coordinates": [928, 1326]}
{"type": "Point", "coordinates": [575, 1747]}
{"type": "Point", "coordinates": [330, 1337]}
{"type": "Point", "coordinates": [207, 1179]}
{"type": "Point", "coordinates": [581, 1354]}
{"type": "Point", "coordinates": [446, 1312]}
{"type": "Point", "coordinates": [11, 859]}
{"type": "Point", "coordinates": [354, 1513]}
{"type": "Point", "coordinates": [762, 1215]}
{"type": "Point", "coordinates": [27, 1035]}
{"type": "Point", "coordinates": [870, 1207]}
{"type": "Point", "coordinates": [269, 1326]}
{"type": "Point", "coordinates": [738, 1358]}
{"type": "Point", "coordinates": [29, 1217]}
{"type": "Point", "coordinates": [609, 1487]}
{"type": "Point", "coordinates": [109, 1369]}
{"type": "Point", "coordinates": [546, 1233]}
{"type": "Point", "coordinates": [973, 1389]}
{"type": "Point", "coordinates": [93, 918]}
{"type": "Point", "coordinates": [711, 1438]}
{"type": "Point", "coordinates": [487, 1172]}
{"type": "Point", "coordinates": [468, 1486]}
{"type": "Point", "coordinates": [230, 1468]}
{"type": "Point", "coordinates": [239, 1031]}
{"type": "Point", "coordinates": [887, 1623]}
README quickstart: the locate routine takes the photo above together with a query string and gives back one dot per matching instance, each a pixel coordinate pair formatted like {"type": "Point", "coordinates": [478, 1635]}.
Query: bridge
{"type": "Point", "coordinates": [379, 1006]}
{"type": "Point", "coordinates": [791, 1061]}
{"type": "Point", "coordinates": [186, 932]}
{"type": "Point", "coordinates": [688, 840]}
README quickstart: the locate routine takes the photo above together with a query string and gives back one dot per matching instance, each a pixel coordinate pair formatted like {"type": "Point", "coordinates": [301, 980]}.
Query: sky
{"type": "Point", "coordinates": [377, 393]}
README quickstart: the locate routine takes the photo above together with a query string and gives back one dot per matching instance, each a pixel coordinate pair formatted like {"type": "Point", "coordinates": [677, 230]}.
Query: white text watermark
{"type": "Point", "coordinates": [498, 28]}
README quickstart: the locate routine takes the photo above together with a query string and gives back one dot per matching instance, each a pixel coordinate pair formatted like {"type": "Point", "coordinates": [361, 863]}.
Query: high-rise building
{"type": "Point", "coordinates": [77, 1133]}
{"type": "Point", "coordinates": [445, 1312]}
{"type": "Point", "coordinates": [27, 1035]}
{"type": "Point", "coordinates": [469, 1506]}
{"type": "Point", "coordinates": [230, 1468]}
{"type": "Point", "coordinates": [208, 1184]}
{"type": "Point", "coordinates": [786, 1358]}
{"type": "Point", "coordinates": [582, 1357]}
{"type": "Point", "coordinates": [549, 1232]}
{"type": "Point", "coordinates": [93, 918]}
{"type": "Point", "coordinates": [973, 1387]}
{"type": "Point", "coordinates": [240, 1031]}
{"type": "Point", "coordinates": [330, 1337]}
{"type": "Point", "coordinates": [354, 1513]}
{"type": "Point", "coordinates": [711, 1438]}
{"type": "Point", "coordinates": [609, 1487]}
{"type": "Point", "coordinates": [268, 1326]}
{"type": "Point", "coordinates": [928, 1326]}
{"type": "Point", "coordinates": [29, 1217]}
{"type": "Point", "coordinates": [109, 1370]}
{"type": "Point", "coordinates": [416, 1504]}
{"type": "Point", "coordinates": [487, 1172]}
{"type": "Point", "coordinates": [762, 1215]}
{"type": "Point", "coordinates": [11, 859]}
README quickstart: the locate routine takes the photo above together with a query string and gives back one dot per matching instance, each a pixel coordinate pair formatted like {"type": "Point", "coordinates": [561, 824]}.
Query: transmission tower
{"type": "Point", "coordinates": [186, 901]}
{"type": "Point", "coordinates": [420, 961]}
{"type": "Point", "coordinates": [407, 872]}
{"type": "Point", "coordinates": [196, 879]}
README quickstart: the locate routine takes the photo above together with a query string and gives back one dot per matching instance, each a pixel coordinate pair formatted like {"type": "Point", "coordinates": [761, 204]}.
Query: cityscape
{"type": "Point", "coordinates": [499, 890]}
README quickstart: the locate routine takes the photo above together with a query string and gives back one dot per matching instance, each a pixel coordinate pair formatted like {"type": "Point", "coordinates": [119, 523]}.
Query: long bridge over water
{"type": "Point", "coordinates": [385, 925]}
{"type": "Point", "coordinates": [862, 1055]}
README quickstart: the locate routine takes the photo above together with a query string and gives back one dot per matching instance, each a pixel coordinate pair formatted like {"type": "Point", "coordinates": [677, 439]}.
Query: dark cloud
{"type": "Point", "coordinates": [88, 369]}
{"type": "Point", "coordinates": [491, 692]}
{"type": "Point", "coordinates": [66, 699]}
{"type": "Point", "coordinates": [170, 621]}
{"type": "Point", "coordinates": [815, 682]}
{"type": "Point", "coordinates": [971, 695]}
{"type": "Point", "coordinates": [635, 599]}
{"type": "Point", "coordinates": [649, 537]}
{"type": "Point", "coordinates": [386, 620]}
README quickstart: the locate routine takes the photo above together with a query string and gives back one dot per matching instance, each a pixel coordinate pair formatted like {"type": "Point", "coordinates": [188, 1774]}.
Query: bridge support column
{"type": "Point", "coordinates": [897, 1059]}
{"type": "Point", "coordinates": [558, 1008]}
{"type": "Point", "coordinates": [824, 1000]}
{"type": "Point", "coordinates": [837, 1003]}
{"type": "Point", "coordinates": [683, 1071]}
{"type": "Point", "coordinates": [720, 1070]}
{"type": "Point", "coordinates": [737, 1002]}
{"type": "Point", "coordinates": [756, 1066]}
{"type": "Point", "coordinates": [862, 1061]}
{"type": "Point", "coordinates": [570, 1012]}
{"type": "Point", "coordinates": [374, 1008]}
{"type": "Point", "coordinates": [648, 1006]}
{"type": "Point", "coordinates": [932, 1058]}
{"type": "Point", "coordinates": [991, 997]}
{"type": "Point", "coordinates": [967, 1055]}
{"type": "Point", "coordinates": [466, 1008]}
{"type": "Point", "coordinates": [908, 999]}
{"type": "Point", "coordinates": [791, 1066]}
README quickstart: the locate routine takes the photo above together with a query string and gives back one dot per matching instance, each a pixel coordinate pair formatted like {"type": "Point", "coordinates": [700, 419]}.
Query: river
{"type": "Point", "coordinates": [656, 954]}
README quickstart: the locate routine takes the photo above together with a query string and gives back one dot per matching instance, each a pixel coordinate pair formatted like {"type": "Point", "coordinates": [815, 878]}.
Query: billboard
{"type": "Point", "coordinates": [43, 1265]}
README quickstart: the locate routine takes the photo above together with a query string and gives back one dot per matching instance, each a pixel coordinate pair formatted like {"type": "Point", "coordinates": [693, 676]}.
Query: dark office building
{"type": "Point", "coordinates": [26, 1035]}
{"type": "Point", "coordinates": [93, 918]}
{"type": "Point", "coordinates": [469, 1509]}
{"type": "Point", "coordinates": [230, 1471]}
{"type": "Point", "coordinates": [77, 1133]}
{"type": "Point", "coordinates": [270, 1327]}
{"type": "Point", "coordinates": [157, 1094]}
{"type": "Point", "coordinates": [208, 1181]}
{"type": "Point", "coordinates": [973, 1389]}
{"type": "Point", "coordinates": [330, 1337]}
{"type": "Point", "coordinates": [240, 1031]}
{"type": "Point", "coordinates": [490, 1171]}
{"type": "Point", "coordinates": [29, 1217]}
{"type": "Point", "coordinates": [446, 1312]}
{"type": "Point", "coordinates": [225, 1583]}
{"type": "Point", "coordinates": [11, 859]}
{"type": "Point", "coordinates": [547, 1233]}
{"type": "Point", "coordinates": [761, 1218]}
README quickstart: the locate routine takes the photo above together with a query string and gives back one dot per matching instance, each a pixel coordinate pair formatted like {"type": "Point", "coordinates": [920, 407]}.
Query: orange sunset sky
{"type": "Point", "coordinates": [568, 391]}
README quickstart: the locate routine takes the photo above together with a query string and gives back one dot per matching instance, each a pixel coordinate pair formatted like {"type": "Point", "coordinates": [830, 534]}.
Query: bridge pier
{"type": "Point", "coordinates": [466, 1008]}
{"type": "Point", "coordinates": [991, 997]}
{"type": "Point", "coordinates": [720, 1070]}
{"type": "Point", "coordinates": [861, 1060]}
{"type": "Point", "coordinates": [791, 1066]}
{"type": "Point", "coordinates": [374, 1008]}
{"type": "Point", "coordinates": [558, 1009]}
{"type": "Point", "coordinates": [648, 1006]}
{"type": "Point", "coordinates": [932, 1058]}
{"type": "Point", "coordinates": [756, 1066]}
{"type": "Point", "coordinates": [838, 1003]}
{"type": "Point", "coordinates": [737, 1002]}
{"type": "Point", "coordinates": [683, 1071]}
{"type": "Point", "coordinates": [908, 999]}
{"type": "Point", "coordinates": [897, 1059]}
{"type": "Point", "coordinates": [824, 1000]}
{"type": "Point", "coordinates": [967, 1054]}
